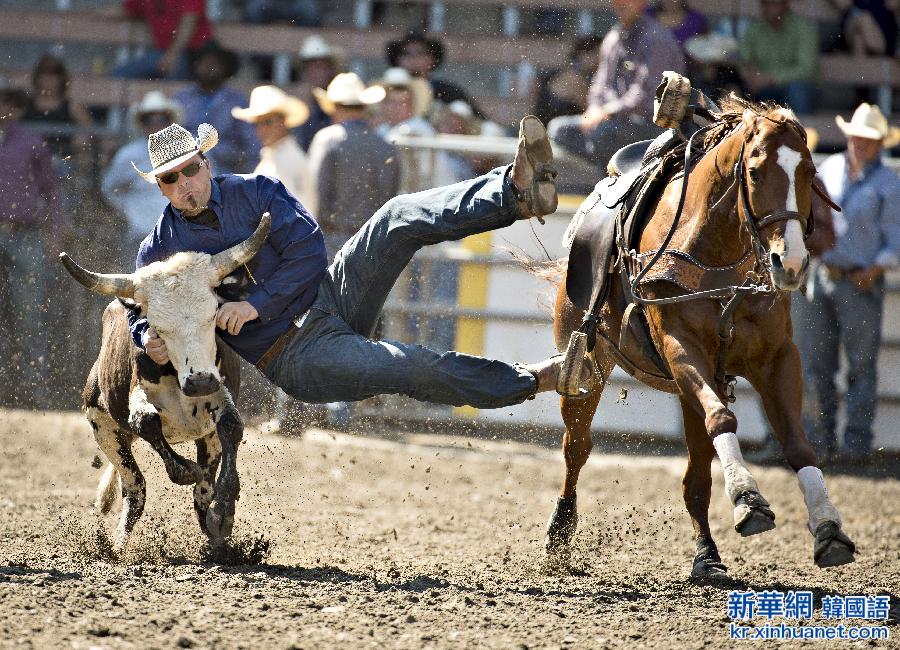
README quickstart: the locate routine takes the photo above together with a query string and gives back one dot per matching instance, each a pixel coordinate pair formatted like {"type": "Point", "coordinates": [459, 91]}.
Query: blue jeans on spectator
{"type": "Point", "coordinates": [144, 66]}
{"type": "Point", "coordinates": [603, 141]}
{"type": "Point", "coordinates": [797, 95]}
{"type": "Point", "coordinates": [22, 261]}
{"type": "Point", "coordinates": [837, 314]}
{"type": "Point", "coordinates": [332, 358]}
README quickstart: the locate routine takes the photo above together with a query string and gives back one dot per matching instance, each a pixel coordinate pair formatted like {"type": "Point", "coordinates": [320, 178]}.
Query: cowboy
{"type": "Point", "coordinates": [843, 302]}
{"type": "Point", "coordinates": [317, 64]}
{"type": "Point", "coordinates": [274, 113]}
{"type": "Point", "coordinates": [354, 170]}
{"type": "Point", "coordinates": [306, 324]}
{"type": "Point", "coordinates": [140, 203]}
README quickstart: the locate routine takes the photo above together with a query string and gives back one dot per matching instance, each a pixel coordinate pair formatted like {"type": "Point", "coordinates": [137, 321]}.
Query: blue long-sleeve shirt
{"type": "Point", "coordinates": [287, 269]}
{"type": "Point", "coordinates": [868, 228]}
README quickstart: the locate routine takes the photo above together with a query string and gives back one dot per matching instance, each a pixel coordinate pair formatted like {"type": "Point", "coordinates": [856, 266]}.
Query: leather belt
{"type": "Point", "coordinates": [280, 344]}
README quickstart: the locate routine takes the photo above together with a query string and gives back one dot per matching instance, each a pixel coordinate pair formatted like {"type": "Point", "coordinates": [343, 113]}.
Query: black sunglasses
{"type": "Point", "coordinates": [190, 170]}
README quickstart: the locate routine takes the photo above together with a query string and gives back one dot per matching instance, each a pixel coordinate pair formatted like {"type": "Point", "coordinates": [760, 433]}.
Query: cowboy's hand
{"type": "Point", "coordinates": [232, 316]}
{"type": "Point", "coordinates": [593, 116]}
{"type": "Point", "coordinates": [155, 348]}
{"type": "Point", "coordinates": [865, 279]}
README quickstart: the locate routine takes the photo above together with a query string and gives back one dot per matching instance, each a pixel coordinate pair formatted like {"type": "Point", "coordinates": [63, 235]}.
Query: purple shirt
{"type": "Point", "coordinates": [631, 65]}
{"type": "Point", "coordinates": [29, 190]}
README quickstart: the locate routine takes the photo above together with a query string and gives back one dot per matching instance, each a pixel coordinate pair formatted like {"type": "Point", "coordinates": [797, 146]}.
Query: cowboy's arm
{"type": "Point", "coordinates": [297, 239]}
{"type": "Point", "coordinates": [137, 323]}
{"type": "Point", "coordinates": [889, 222]}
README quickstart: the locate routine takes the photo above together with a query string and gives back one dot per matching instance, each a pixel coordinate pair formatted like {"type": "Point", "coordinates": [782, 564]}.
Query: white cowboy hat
{"type": "Point", "coordinates": [270, 99]}
{"type": "Point", "coordinates": [315, 47]}
{"type": "Point", "coordinates": [347, 89]}
{"type": "Point", "coordinates": [419, 88]}
{"type": "Point", "coordinates": [173, 145]}
{"type": "Point", "coordinates": [869, 122]}
{"type": "Point", "coordinates": [156, 101]}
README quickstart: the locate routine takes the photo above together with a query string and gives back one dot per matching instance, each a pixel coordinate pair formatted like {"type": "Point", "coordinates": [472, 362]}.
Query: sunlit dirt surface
{"type": "Point", "coordinates": [419, 541]}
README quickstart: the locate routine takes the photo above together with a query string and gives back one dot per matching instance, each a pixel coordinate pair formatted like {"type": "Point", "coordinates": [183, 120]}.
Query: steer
{"type": "Point", "coordinates": [128, 395]}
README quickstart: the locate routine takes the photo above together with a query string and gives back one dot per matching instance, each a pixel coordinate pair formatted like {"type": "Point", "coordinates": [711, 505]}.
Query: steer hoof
{"type": "Point", "coordinates": [220, 520]}
{"type": "Point", "coordinates": [752, 514]}
{"type": "Point", "coordinates": [833, 547]}
{"type": "Point", "coordinates": [184, 472]}
{"type": "Point", "coordinates": [561, 526]}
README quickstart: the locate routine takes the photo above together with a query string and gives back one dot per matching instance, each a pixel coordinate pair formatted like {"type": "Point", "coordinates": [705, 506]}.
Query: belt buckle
{"type": "Point", "coordinates": [298, 322]}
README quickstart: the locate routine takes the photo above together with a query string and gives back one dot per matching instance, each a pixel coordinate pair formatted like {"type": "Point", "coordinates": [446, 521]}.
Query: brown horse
{"type": "Point", "coordinates": [748, 198]}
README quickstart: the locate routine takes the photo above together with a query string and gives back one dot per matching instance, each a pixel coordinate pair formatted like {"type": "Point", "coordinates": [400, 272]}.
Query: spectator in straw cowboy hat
{"type": "Point", "coordinates": [317, 64]}
{"type": "Point", "coordinates": [354, 170]}
{"type": "Point", "coordinates": [140, 203]}
{"type": "Point", "coordinates": [274, 113]}
{"type": "Point", "coordinates": [843, 302]}
{"type": "Point", "coordinates": [307, 325]}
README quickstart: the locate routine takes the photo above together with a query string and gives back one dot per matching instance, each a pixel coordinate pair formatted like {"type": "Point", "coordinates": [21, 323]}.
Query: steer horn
{"type": "Point", "coordinates": [107, 284]}
{"type": "Point", "coordinates": [229, 259]}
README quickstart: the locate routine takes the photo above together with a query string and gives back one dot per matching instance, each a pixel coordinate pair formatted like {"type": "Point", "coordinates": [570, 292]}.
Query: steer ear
{"type": "Point", "coordinates": [228, 260]}
{"type": "Point", "coordinates": [107, 284]}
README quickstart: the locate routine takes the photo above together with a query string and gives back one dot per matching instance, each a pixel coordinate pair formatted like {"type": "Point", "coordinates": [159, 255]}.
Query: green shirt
{"type": "Point", "coordinates": [787, 54]}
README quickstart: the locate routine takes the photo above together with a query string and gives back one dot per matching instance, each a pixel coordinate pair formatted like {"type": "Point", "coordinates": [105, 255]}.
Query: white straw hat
{"type": "Point", "coordinates": [869, 122]}
{"type": "Point", "coordinates": [173, 145]}
{"type": "Point", "coordinates": [315, 47]}
{"type": "Point", "coordinates": [419, 88]}
{"type": "Point", "coordinates": [347, 89]}
{"type": "Point", "coordinates": [270, 99]}
{"type": "Point", "coordinates": [156, 101]}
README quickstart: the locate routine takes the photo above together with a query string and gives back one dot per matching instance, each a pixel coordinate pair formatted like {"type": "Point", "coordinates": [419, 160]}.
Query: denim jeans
{"type": "Point", "coordinates": [603, 141]}
{"type": "Point", "coordinates": [837, 314]}
{"type": "Point", "coordinates": [22, 306]}
{"type": "Point", "coordinates": [332, 358]}
{"type": "Point", "coordinates": [144, 66]}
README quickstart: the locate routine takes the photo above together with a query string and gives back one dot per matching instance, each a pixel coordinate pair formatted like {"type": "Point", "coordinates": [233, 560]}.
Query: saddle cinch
{"type": "Point", "coordinates": [612, 219]}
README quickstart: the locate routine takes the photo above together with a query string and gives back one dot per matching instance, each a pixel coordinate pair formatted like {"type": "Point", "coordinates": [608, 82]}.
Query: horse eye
{"type": "Point", "coordinates": [754, 175]}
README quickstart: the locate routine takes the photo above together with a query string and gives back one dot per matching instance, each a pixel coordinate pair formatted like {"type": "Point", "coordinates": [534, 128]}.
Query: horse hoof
{"type": "Point", "coordinates": [752, 514]}
{"type": "Point", "coordinates": [184, 473]}
{"type": "Point", "coordinates": [833, 547]}
{"type": "Point", "coordinates": [706, 570]}
{"type": "Point", "coordinates": [561, 525]}
{"type": "Point", "coordinates": [219, 520]}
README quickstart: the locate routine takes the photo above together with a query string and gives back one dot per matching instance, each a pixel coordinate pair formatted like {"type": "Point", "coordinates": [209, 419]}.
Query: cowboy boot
{"type": "Point", "coordinates": [533, 176]}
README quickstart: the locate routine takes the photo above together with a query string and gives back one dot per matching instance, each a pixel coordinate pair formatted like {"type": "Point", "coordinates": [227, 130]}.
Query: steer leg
{"type": "Point", "coordinates": [230, 429]}
{"type": "Point", "coordinates": [116, 446]}
{"type": "Point", "coordinates": [209, 453]}
{"type": "Point", "coordinates": [147, 425]}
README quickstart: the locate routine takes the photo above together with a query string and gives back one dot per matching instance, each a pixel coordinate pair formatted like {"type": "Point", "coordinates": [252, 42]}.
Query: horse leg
{"type": "Point", "coordinates": [209, 453]}
{"type": "Point", "coordinates": [695, 378]}
{"type": "Point", "coordinates": [780, 385]}
{"type": "Point", "coordinates": [577, 414]}
{"type": "Point", "coordinates": [696, 487]}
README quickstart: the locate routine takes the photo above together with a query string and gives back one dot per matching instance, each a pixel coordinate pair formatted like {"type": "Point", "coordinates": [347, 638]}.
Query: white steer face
{"type": "Point", "coordinates": [177, 298]}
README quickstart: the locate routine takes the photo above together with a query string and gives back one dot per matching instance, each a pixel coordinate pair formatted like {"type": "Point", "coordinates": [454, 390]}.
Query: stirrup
{"type": "Point", "coordinates": [578, 375]}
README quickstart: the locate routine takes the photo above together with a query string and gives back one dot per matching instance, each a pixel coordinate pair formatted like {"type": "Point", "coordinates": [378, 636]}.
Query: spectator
{"type": "Point", "coordinates": [407, 100]}
{"type": "Point", "coordinates": [565, 91]}
{"type": "Point", "coordinates": [141, 203]}
{"type": "Point", "coordinates": [421, 56]}
{"type": "Point", "coordinates": [51, 105]}
{"type": "Point", "coordinates": [843, 304]}
{"type": "Point", "coordinates": [633, 56]}
{"type": "Point", "coordinates": [354, 170]}
{"type": "Point", "coordinates": [868, 27]}
{"type": "Point", "coordinates": [317, 65]}
{"type": "Point", "coordinates": [210, 100]}
{"type": "Point", "coordinates": [179, 29]}
{"type": "Point", "coordinates": [456, 118]}
{"type": "Point", "coordinates": [298, 13]}
{"type": "Point", "coordinates": [274, 113]}
{"type": "Point", "coordinates": [680, 19]}
{"type": "Point", "coordinates": [779, 57]}
{"type": "Point", "coordinates": [31, 225]}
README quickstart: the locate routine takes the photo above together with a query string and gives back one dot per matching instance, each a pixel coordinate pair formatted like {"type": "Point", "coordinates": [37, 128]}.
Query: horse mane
{"type": "Point", "coordinates": [731, 115]}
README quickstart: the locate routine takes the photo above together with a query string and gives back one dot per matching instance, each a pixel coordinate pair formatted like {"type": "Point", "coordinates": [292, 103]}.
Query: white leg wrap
{"type": "Point", "coordinates": [820, 508]}
{"type": "Point", "coordinates": [737, 476]}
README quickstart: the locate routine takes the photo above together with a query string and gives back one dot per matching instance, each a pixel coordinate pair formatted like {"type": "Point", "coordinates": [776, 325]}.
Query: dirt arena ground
{"type": "Point", "coordinates": [422, 541]}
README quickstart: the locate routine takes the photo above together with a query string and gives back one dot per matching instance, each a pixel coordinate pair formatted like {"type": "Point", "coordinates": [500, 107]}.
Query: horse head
{"type": "Point", "coordinates": [775, 174]}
